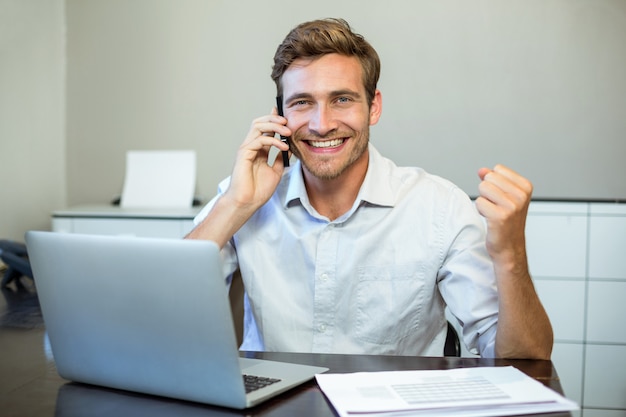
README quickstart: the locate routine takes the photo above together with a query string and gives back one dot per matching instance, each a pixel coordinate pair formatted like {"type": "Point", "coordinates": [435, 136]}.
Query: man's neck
{"type": "Point", "coordinates": [333, 198]}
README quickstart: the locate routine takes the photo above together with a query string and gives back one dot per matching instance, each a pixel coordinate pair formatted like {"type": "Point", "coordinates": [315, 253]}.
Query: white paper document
{"type": "Point", "coordinates": [159, 179]}
{"type": "Point", "coordinates": [482, 391]}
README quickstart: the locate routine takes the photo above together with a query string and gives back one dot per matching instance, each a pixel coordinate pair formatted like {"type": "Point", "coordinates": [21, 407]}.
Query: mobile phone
{"type": "Point", "coordinates": [279, 106]}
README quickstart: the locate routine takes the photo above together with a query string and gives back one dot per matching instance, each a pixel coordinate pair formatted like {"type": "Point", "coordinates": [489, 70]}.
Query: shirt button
{"type": "Point", "coordinates": [324, 277]}
{"type": "Point", "coordinates": [322, 328]}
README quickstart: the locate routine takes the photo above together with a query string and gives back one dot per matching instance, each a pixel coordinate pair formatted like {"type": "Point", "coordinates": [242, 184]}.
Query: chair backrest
{"type": "Point", "coordinates": [452, 347]}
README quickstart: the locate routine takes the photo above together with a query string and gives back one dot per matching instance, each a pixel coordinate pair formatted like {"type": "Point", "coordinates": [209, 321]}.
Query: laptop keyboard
{"type": "Point", "coordinates": [253, 382]}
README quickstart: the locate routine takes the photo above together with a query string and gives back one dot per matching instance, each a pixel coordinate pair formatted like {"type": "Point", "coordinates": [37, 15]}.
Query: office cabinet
{"type": "Point", "coordinates": [113, 220]}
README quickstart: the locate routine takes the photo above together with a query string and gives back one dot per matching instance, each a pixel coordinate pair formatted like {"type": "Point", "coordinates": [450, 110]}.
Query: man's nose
{"type": "Point", "coordinates": [322, 120]}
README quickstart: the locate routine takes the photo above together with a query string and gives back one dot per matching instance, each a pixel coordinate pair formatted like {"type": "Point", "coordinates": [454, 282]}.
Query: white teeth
{"type": "Point", "coordinates": [325, 143]}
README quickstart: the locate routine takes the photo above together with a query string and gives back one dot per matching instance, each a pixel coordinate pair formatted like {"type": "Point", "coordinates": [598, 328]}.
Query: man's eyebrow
{"type": "Point", "coordinates": [345, 92]}
{"type": "Point", "coordinates": [298, 96]}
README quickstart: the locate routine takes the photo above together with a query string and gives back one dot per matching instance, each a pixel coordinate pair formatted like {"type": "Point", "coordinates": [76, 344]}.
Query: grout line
{"type": "Point", "coordinates": [586, 306]}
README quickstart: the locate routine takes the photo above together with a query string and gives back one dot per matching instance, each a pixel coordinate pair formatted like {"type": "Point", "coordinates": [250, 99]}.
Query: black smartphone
{"type": "Point", "coordinates": [279, 106]}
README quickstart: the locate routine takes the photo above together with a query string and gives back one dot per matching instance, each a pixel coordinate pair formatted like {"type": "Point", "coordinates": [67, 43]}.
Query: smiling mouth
{"type": "Point", "coordinates": [326, 143]}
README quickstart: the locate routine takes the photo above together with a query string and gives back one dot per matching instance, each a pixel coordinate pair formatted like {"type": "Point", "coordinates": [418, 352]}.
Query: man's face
{"type": "Point", "coordinates": [327, 110]}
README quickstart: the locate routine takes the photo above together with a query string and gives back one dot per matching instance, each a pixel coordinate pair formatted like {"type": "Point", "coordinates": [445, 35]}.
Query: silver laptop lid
{"type": "Point", "coordinates": [146, 315]}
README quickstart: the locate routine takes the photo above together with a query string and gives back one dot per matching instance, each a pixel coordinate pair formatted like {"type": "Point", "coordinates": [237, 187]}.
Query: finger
{"type": "Point", "coordinates": [270, 125]}
{"type": "Point", "coordinates": [494, 203]}
{"type": "Point", "coordinates": [506, 178]}
{"type": "Point", "coordinates": [492, 193]}
{"type": "Point", "coordinates": [509, 182]}
{"type": "Point", "coordinates": [486, 207]}
{"type": "Point", "coordinates": [496, 181]}
{"type": "Point", "coordinates": [514, 178]}
{"type": "Point", "coordinates": [274, 117]}
{"type": "Point", "coordinates": [267, 142]}
{"type": "Point", "coordinates": [261, 144]}
{"type": "Point", "coordinates": [489, 188]}
{"type": "Point", "coordinates": [501, 203]}
{"type": "Point", "coordinates": [264, 129]}
{"type": "Point", "coordinates": [482, 172]}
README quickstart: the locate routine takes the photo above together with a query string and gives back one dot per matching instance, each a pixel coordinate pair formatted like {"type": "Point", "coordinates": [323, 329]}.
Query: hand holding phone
{"type": "Point", "coordinates": [279, 106]}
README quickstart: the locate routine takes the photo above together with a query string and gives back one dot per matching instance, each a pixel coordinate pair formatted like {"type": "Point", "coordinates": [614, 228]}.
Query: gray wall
{"type": "Point", "coordinates": [32, 114]}
{"type": "Point", "coordinates": [538, 85]}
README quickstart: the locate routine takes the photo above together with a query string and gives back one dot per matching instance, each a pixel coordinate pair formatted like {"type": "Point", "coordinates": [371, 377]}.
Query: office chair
{"type": "Point", "coordinates": [452, 347]}
{"type": "Point", "coordinates": [15, 257]}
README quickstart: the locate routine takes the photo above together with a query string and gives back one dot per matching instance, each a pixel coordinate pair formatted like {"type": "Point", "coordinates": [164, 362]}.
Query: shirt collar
{"type": "Point", "coordinates": [375, 190]}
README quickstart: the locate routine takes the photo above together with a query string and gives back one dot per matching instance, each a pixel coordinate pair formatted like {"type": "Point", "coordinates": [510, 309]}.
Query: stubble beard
{"type": "Point", "coordinates": [324, 167]}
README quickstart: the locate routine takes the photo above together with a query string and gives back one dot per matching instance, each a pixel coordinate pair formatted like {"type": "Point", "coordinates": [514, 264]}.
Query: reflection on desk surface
{"type": "Point", "coordinates": [75, 399]}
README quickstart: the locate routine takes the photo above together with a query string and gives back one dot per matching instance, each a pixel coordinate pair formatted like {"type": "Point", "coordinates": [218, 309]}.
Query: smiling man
{"type": "Point", "coordinates": [345, 252]}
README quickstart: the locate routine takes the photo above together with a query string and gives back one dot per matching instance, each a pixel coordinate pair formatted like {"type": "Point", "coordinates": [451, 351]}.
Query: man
{"type": "Point", "coordinates": [345, 252]}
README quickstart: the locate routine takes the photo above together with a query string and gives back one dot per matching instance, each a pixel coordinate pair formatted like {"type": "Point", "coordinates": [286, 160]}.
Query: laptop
{"type": "Point", "coordinates": [148, 315]}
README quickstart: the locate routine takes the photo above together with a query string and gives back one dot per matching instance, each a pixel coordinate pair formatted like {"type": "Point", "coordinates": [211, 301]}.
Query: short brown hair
{"type": "Point", "coordinates": [327, 36]}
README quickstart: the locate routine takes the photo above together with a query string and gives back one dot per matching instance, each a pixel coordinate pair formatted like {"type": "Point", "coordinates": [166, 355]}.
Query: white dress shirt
{"type": "Point", "coordinates": [374, 281]}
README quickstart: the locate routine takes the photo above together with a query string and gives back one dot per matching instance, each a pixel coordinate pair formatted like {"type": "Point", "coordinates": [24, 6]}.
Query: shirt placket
{"type": "Point", "coordinates": [326, 263]}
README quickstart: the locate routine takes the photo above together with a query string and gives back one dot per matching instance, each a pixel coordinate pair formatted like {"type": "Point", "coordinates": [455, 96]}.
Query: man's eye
{"type": "Point", "coordinates": [343, 100]}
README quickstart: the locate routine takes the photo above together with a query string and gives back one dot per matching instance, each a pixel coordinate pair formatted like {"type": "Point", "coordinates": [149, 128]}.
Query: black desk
{"type": "Point", "coordinates": [30, 386]}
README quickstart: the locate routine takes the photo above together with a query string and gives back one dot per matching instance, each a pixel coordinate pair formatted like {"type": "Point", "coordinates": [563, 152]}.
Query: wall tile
{"type": "Point", "coordinates": [594, 412]}
{"type": "Point", "coordinates": [607, 247]}
{"type": "Point", "coordinates": [557, 245]}
{"type": "Point", "coordinates": [605, 377]}
{"type": "Point", "coordinates": [606, 312]}
{"type": "Point", "coordinates": [556, 207]}
{"type": "Point", "coordinates": [564, 302]}
{"type": "Point", "coordinates": [607, 208]}
{"type": "Point", "coordinates": [568, 361]}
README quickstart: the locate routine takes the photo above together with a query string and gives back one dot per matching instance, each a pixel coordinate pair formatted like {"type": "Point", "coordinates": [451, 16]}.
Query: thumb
{"type": "Point", "coordinates": [482, 172]}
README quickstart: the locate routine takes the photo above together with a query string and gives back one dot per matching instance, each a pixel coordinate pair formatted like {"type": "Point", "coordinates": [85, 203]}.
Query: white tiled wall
{"type": "Point", "coordinates": [564, 301]}
{"type": "Point", "coordinates": [607, 238]}
{"type": "Point", "coordinates": [567, 359]}
{"type": "Point", "coordinates": [606, 325]}
{"type": "Point", "coordinates": [562, 235]}
{"type": "Point", "coordinates": [577, 256]}
{"type": "Point", "coordinates": [605, 382]}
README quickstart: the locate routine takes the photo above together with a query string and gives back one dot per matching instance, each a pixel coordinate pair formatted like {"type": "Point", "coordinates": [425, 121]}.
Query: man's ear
{"type": "Point", "coordinates": [376, 108]}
